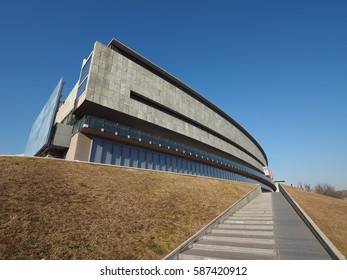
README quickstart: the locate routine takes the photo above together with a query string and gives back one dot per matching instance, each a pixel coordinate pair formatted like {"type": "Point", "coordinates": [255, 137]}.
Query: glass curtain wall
{"type": "Point", "coordinates": [119, 154]}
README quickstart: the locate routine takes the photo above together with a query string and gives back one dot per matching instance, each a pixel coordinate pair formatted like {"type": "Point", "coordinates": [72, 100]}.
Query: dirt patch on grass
{"type": "Point", "coordinates": [53, 209]}
{"type": "Point", "coordinates": [330, 215]}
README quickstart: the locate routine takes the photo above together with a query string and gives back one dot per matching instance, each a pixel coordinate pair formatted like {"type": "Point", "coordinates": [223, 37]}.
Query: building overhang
{"type": "Point", "coordinates": [118, 46]}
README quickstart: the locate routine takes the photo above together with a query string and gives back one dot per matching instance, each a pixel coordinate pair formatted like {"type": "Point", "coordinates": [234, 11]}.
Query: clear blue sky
{"type": "Point", "coordinates": [278, 67]}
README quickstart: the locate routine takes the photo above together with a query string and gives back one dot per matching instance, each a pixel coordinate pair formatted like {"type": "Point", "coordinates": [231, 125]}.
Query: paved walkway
{"type": "Point", "coordinates": [266, 228]}
{"type": "Point", "coordinates": [294, 240]}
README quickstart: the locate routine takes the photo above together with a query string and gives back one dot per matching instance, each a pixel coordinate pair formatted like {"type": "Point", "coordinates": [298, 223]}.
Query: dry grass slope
{"type": "Point", "coordinates": [62, 210]}
{"type": "Point", "coordinates": [330, 215]}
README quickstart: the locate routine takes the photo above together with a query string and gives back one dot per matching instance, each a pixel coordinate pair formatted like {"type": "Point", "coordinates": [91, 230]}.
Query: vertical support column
{"type": "Point", "coordinates": [79, 149]}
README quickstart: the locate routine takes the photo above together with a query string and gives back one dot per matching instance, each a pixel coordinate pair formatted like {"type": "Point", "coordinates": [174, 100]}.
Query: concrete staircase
{"type": "Point", "coordinates": [247, 234]}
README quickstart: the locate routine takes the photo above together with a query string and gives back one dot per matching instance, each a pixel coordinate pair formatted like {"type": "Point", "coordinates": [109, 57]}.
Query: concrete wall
{"type": "Point", "coordinates": [80, 146]}
{"type": "Point", "coordinates": [113, 76]}
{"type": "Point", "coordinates": [68, 105]}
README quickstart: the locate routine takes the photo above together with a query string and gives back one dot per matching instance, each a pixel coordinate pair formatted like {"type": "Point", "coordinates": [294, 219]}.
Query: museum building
{"type": "Point", "coordinates": [125, 110]}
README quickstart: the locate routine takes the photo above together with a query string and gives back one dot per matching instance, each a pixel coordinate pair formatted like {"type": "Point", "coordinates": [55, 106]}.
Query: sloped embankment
{"type": "Point", "coordinates": [330, 215]}
{"type": "Point", "coordinates": [52, 209]}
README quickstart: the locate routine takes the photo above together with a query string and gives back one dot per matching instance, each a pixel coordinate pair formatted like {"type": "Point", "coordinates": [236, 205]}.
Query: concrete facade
{"type": "Point", "coordinates": [112, 78]}
{"type": "Point", "coordinates": [127, 111]}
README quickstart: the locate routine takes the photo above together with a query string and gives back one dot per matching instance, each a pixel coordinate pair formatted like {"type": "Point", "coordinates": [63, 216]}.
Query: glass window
{"type": "Point", "coordinates": [125, 131]}
{"type": "Point", "coordinates": [179, 165]}
{"type": "Point", "coordinates": [109, 126]}
{"type": "Point", "coordinates": [149, 159]}
{"type": "Point", "coordinates": [117, 154]}
{"type": "Point", "coordinates": [134, 157]}
{"type": "Point", "coordinates": [168, 163]}
{"type": "Point", "coordinates": [96, 123]}
{"type": "Point", "coordinates": [134, 133]}
{"type": "Point", "coordinates": [213, 172]}
{"type": "Point", "coordinates": [162, 162]}
{"type": "Point", "coordinates": [205, 170]}
{"type": "Point", "coordinates": [85, 68]}
{"type": "Point", "coordinates": [184, 166]}
{"type": "Point", "coordinates": [156, 162]}
{"type": "Point", "coordinates": [174, 164]}
{"type": "Point", "coordinates": [107, 153]}
{"type": "Point", "coordinates": [96, 151]}
{"type": "Point", "coordinates": [142, 158]}
{"type": "Point", "coordinates": [189, 167]}
{"type": "Point", "coordinates": [126, 156]}
{"type": "Point", "coordinates": [193, 167]}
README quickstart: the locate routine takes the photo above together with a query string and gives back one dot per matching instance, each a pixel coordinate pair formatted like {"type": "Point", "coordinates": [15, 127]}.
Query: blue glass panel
{"type": "Point", "coordinates": [156, 162]}
{"type": "Point", "coordinates": [201, 169]}
{"type": "Point", "coordinates": [198, 168]}
{"type": "Point", "coordinates": [205, 170]}
{"type": "Point", "coordinates": [162, 162]}
{"type": "Point", "coordinates": [123, 130]}
{"type": "Point", "coordinates": [41, 131]}
{"type": "Point", "coordinates": [179, 165]}
{"type": "Point", "coordinates": [168, 163]}
{"type": "Point", "coordinates": [142, 158]}
{"type": "Point", "coordinates": [193, 167]}
{"type": "Point", "coordinates": [134, 157]}
{"type": "Point", "coordinates": [224, 174]}
{"type": "Point", "coordinates": [174, 164]}
{"type": "Point", "coordinates": [117, 154]}
{"type": "Point", "coordinates": [96, 151]}
{"type": "Point", "coordinates": [85, 69]}
{"type": "Point", "coordinates": [189, 167]}
{"type": "Point", "coordinates": [126, 156]}
{"type": "Point", "coordinates": [214, 172]}
{"type": "Point", "coordinates": [96, 123]}
{"type": "Point", "coordinates": [82, 88]}
{"type": "Point", "coordinates": [184, 166]}
{"type": "Point", "coordinates": [109, 126]}
{"type": "Point", "coordinates": [149, 159]}
{"type": "Point", "coordinates": [84, 77]}
{"type": "Point", "coordinates": [107, 153]}
{"type": "Point", "coordinates": [134, 133]}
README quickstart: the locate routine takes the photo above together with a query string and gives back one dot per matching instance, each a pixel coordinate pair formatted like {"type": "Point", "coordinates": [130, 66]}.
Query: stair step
{"type": "Point", "coordinates": [243, 240]}
{"type": "Point", "coordinates": [196, 254]}
{"type": "Point", "coordinates": [233, 249]}
{"type": "Point", "coordinates": [249, 227]}
{"type": "Point", "coordinates": [251, 218]}
{"type": "Point", "coordinates": [248, 222]}
{"type": "Point", "coordinates": [243, 232]}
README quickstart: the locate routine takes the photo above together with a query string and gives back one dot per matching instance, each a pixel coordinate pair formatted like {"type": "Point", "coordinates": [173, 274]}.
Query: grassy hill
{"type": "Point", "coordinates": [53, 209]}
{"type": "Point", "coordinates": [330, 215]}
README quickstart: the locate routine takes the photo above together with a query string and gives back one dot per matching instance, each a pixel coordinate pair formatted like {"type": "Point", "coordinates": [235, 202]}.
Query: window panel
{"type": "Point", "coordinates": [134, 157]}
{"type": "Point", "coordinates": [162, 162]}
{"type": "Point", "coordinates": [107, 153]}
{"type": "Point", "coordinates": [142, 158]}
{"type": "Point", "coordinates": [117, 154]}
{"type": "Point", "coordinates": [96, 151]}
{"type": "Point", "coordinates": [174, 164]}
{"type": "Point", "coordinates": [126, 156]}
{"type": "Point", "coordinates": [156, 162]}
{"type": "Point", "coordinates": [168, 163]}
{"type": "Point", "coordinates": [149, 160]}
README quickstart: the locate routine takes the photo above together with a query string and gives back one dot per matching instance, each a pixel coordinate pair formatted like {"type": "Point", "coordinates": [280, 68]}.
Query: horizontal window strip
{"type": "Point", "coordinates": [113, 153]}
